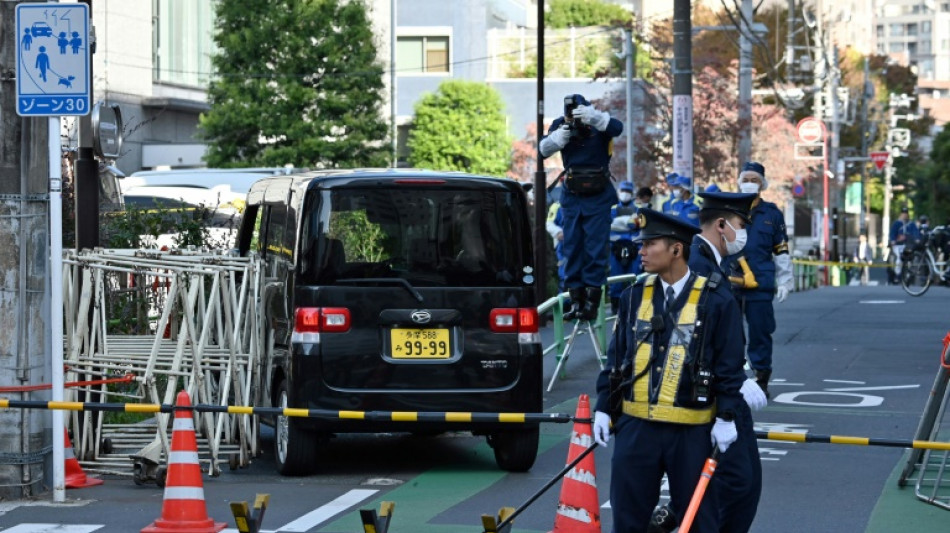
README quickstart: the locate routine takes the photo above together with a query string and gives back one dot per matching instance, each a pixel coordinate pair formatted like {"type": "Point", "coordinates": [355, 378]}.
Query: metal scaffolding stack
{"type": "Point", "coordinates": [171, 320]}
{"type": "Point", "coordinates": [932, 467]}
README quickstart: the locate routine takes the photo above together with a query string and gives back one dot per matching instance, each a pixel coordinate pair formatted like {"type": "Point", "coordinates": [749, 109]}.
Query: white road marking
{"type": "Point", "coordinates": [844, 381]}
{"type": "Point", "coordinates": [6, 507]}
{"type": "Point", "coordinates": [327, 511]}
{"type": "Point", "coordinates": [885, 387]}
{"type": "Point", "coordinates": [53, 528]}
{"type": "Point", "coordinates": [881, 302]}
{"type": "Point", "coordinates": [864, 400]}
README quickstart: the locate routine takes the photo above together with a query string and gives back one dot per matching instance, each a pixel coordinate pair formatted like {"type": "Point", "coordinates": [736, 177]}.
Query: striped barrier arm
{"type": "Point", "coordinates": [854, 441]}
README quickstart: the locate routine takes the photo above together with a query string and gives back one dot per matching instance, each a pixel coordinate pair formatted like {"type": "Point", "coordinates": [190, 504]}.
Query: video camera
{"type": "Point", "coordinates": [571, 102]}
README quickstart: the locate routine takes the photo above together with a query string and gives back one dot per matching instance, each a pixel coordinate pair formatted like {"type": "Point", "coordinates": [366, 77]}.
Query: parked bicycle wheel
{"type": "Point", "coordinates": [916, 274]}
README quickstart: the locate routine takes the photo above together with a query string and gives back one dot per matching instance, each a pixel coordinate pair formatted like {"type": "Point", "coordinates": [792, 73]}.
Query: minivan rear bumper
{"type": "Point", "coordinates": [308, 390]}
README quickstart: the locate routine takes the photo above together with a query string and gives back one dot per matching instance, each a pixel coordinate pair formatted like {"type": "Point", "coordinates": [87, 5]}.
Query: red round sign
{"type": "Point", "coordinates": [810, 130]}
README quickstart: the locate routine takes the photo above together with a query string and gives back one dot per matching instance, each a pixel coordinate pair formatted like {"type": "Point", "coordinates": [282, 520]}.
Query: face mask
{"type": "Point", "coordinates": [749, 187]}
{"type": "Point", "coordinates": [625, 197]}
{"type": "Point", "coordinates": [677, 193]}
{"type": "Point", "coordinates": [737, 245]}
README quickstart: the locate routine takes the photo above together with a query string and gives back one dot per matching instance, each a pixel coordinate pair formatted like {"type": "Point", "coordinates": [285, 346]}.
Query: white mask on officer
{"type": "Point", "coordinates": [625, 197]}
{"type": "Point", "coordinates": [749, 187]}
{"type": "Point", "coordinates": [677, 193]}
{"type": "Point", "coordinates": [736, 246]}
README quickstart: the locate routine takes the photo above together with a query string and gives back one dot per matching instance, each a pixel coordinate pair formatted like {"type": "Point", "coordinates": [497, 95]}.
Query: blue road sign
{"type": "Point", "coordinates": [52, 60]}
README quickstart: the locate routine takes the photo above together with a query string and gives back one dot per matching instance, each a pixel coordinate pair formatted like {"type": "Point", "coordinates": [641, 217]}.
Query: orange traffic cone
{"type": "Point", "coordinates": [183, 509]}
{"type": "Point", "coordinates": [75, 477]}
{"type": "Point", "coordinates": [578, 510]}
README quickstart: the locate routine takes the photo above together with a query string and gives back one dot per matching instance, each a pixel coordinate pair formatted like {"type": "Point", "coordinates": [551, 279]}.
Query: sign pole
{"type": "Point", "coordinates": [56, 303]}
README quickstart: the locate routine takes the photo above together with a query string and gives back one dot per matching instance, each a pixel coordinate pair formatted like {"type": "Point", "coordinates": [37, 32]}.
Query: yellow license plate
{"type": "Point", "coordinates": [420, 343]}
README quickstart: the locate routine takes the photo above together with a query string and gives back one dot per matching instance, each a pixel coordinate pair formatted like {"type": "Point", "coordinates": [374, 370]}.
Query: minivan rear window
{"type": "Point", "coordinates": [427, 235]}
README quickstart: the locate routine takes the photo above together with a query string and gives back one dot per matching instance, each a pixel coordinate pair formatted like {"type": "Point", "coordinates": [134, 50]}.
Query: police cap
{"type": "Point", "coordinates": [734, 202]}
{"type": "Point", "coordinates": [626, 186]}
{"type": "Point", "coordinates": [654, 225]}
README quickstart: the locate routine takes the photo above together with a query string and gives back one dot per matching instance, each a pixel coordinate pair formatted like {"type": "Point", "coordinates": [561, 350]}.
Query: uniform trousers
{"type": "Point", "coordinates": [643, 451]}
{"type": "Point", "coordinates": [760, 318]}
{"type": "Point", "coordinates": [738, 478]}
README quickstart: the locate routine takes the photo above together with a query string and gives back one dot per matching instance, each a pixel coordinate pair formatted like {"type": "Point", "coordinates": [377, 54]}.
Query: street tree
{"type": "Point", "coordinates": [296, 82]}
{"type": "Point", "coordinates": [461, 126]}
{"type": "Point", "coordinates": [577, 13]}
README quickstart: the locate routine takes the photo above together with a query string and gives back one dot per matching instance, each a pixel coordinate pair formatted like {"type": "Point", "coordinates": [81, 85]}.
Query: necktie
{"type": "Point", "coordinates": [670, 296]}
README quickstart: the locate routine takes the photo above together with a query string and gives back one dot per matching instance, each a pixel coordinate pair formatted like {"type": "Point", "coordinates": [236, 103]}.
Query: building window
{"type": "Point", "coordinates": [417, 54]}
{"type": "Point", "coordinates": [880, 48]}
{"type": "Point", "coordinates": [912, 49]}
{"type": "Point", "coordinates": [880, 31]}
{"type": "Point", "coordinates": [925, 45]}
{"type": "Point", "coordinates": [925, 27]}
{"type": "Point", "coordinates": [911, 30]}
{"type": "Point", "coordinates": [182, 42]}
{"type": "Point", "coordinates": [896, 48]}
{"type": "Point", "coordinates": [897, 30]}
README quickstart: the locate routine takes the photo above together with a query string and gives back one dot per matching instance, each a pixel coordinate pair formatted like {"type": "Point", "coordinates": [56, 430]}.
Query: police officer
{"type": "Point", "coordinates": [738, 480]}
{"type": "Point", "coordinates": [677, 343]}
{"type": "Point", "coordinates": [670, 181]}
{"type": "Point", "coordinates": [684, 207]}
{"type": "Point", "coordinates": [623, 251]}
{"type": "Point", "coordinates": [766, 255]}
{"type": "Point", "coordinates": [584, 136]}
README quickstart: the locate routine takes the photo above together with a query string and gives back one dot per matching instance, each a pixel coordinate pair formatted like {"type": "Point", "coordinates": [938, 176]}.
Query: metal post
{"type": "Point", "coordinates": [540, 179]}
{"type": "Point", "coordinates": [865, 94]}
{"type": "Point", "coordinates": [682, 90]}
{"type": "Point", "coordinates": [56, 303]}
{"type": "Point", "coordinates": [888, 197]}
{"type": "Point", "coordinates": [745, 83]}
{"type": "Point", "coordinates": [628, 74]}
{"type": "Point", "coordinates": [392, 80]}
{"type": "Point", "coordinates": [835, 145]}
{"type": "Point", "coordinates": [87, 176]}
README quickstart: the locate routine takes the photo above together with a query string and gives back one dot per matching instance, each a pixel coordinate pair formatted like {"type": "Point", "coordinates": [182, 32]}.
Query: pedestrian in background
{"type": "Point", "coordinates": [766, 254]}
{"type": "Point", "coordinates": [865, 256]}
{"type": "Point", "coordinates": [677, 350]}
{"type": "Point", "coordinates": [684, 207]}
{"type": "Point", "coordinates": [584, 136]}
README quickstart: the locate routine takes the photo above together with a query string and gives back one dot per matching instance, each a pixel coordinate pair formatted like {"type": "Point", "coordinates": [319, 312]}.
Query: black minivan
{"type": "Point", "coordinates": [396, 290]}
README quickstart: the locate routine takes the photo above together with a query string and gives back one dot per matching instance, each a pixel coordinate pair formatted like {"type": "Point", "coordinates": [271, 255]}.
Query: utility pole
{"type": "Point", "coordinates": [835, 147]}
{"type": "Point", "coordinates": [540, 179]}
{"type": "Point", "coordinates": [24, 266]}
{"type": "Point", "coordinates": [745, 83]}
{"type": "Point", "coordinates": [392, 81]}
{"type": "Point", "coordinates": [865, 94]}
{"type": "Point", "coordinates": [87, 171]}
{"type": "Point", "coordinates": [629, 52]}
{"type": "Point", "coordinates": [683, 90]}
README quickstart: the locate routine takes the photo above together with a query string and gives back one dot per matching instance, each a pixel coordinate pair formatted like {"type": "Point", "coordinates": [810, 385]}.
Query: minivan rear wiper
{"type": "Point", "coordinates": [398, 281]}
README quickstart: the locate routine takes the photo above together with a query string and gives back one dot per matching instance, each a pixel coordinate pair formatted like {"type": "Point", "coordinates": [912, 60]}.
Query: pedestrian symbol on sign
{"type": "Point", "coordinates": [52, 59]}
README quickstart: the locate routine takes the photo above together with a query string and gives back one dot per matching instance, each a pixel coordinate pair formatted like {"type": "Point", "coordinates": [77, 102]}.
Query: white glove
{"type": "Point", "coordinates": [555, 140]}
{"type": "Point", "coordinates": [588, 115]}
{"type": "Point", "coordinates": [724, 434]}
{"type": "Point", "coordinates": [781, 293]}
{"type": "Point", "coordinates": [601, 428]}
{"type": "Point", "coordinates": [754, 395]}
{"type": "Point", "coordinates": [783, 271]}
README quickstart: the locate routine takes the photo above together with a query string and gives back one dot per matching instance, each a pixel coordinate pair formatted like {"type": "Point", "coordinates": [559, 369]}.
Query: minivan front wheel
{"type": "Point", "coordinates": [515, 450]}
{"type": "Point", "coordinates": [295, 449]}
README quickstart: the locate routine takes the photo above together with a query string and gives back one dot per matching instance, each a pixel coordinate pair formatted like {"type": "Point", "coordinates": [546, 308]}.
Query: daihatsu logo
{"type": "Point", "coordinates": [420, 317]}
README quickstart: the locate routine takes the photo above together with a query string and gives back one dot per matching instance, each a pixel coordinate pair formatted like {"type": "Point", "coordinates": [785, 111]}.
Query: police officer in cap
{"type": "Point", "coordinates": [623, 251]}
{"type": "Point", "coordinates": [672, 381]}
{"type": "Point", "coordinates": [670, 180]}
{"type": "Point", "coordinates": [584, 136]}
{"type": "Point", "coordinates": [767, 257]}
{"type": "Point", "coordinates": [684, 207]}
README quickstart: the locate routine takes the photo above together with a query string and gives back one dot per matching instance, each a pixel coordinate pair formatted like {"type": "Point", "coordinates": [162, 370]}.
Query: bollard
{"type": "Point", "coordinates": [377, 524]}
{"type": "Point", "coordinates": [490, 523]}
{"type": "Point", "coordinates": [249, 521]}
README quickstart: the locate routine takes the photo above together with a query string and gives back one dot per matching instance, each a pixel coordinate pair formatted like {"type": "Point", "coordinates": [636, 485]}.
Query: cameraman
{"type": "Point", "coordinates": [584, 136]}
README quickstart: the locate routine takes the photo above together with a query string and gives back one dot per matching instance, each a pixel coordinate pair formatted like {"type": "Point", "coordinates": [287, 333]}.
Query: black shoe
{"type": "Point", "coordinates": [591, 303]}
{"type": "Point", "coordinates": [578, 299]}
{"type": "Point", "coordinates": [762, 378]}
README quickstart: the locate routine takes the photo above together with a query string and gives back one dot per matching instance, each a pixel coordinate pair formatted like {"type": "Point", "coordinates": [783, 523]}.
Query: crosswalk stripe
{"type": "Point", "coordinates": [53, 528]}
{"type": "Point", "coordinates": [327, 511]}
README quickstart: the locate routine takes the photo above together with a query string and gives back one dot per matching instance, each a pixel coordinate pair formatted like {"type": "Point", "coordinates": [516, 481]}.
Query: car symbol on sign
{"type": "Point", "coordinates": [41, 29]}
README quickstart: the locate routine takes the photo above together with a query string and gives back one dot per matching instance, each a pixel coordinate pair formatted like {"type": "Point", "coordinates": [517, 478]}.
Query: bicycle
{"type": "Point", "coordinates": [920, 261]}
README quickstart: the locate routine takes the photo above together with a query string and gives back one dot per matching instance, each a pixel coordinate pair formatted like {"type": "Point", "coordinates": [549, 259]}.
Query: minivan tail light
{"type": "Point", "coordinates": [514, 320]}
{"type": "Point", "coordinates": [321, 320]}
